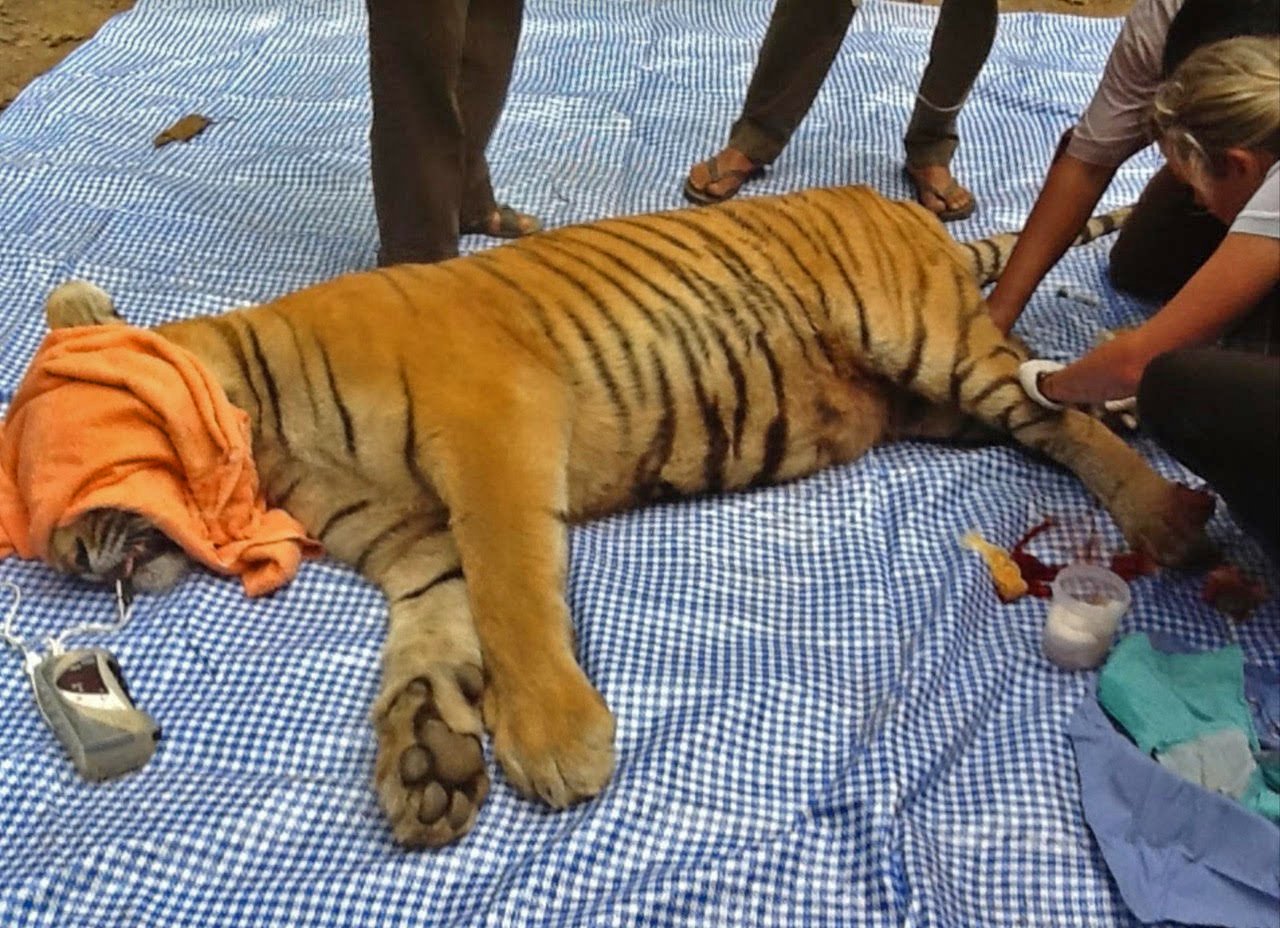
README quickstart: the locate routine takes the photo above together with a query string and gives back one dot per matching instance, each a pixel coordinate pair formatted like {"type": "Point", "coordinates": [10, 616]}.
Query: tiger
{"type": "Point", "coordinates": [438, 427]}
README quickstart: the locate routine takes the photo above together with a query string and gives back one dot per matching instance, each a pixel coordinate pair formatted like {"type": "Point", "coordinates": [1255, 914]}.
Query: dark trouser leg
{"type": "Point", "coordinates": [961, 42]}
{"type": "Point", "coordinates": [493, 32]}
{"type": "Point", "coordinates": [1219, 413]}
{"type": "Point", "coordinates": [1258, 332]}
{"type": "Point", "coordinates": [802, 41]}
{"type": "Point", "coordinates": [417, 140]}
{"type": "Point", "coordinates": [1164, 241]}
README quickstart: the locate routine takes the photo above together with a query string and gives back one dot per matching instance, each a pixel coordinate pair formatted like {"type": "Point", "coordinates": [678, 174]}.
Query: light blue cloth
{"type": "Point", "coordinates": [826, 719]}
{"type": "Point", "coordinates": [1220, 761]}
{"type": "Point", "coordinates": [1177, 852]}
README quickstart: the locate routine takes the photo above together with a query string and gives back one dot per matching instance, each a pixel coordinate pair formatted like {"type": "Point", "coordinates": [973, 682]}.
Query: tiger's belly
{"type": "Point", "coordinates": [702, 438]}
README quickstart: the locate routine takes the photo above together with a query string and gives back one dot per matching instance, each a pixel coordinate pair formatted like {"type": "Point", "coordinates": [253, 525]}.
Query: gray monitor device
{"type": "Point", "coordinates": [83, 696]}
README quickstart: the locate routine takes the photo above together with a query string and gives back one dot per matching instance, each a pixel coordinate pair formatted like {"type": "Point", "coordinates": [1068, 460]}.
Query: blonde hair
{"type": "Point", "coordinates": [1224, 95]}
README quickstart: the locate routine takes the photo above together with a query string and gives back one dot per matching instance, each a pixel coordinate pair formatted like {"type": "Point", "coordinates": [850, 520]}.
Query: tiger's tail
{"type": "Point", "coordinates": [987, 257]}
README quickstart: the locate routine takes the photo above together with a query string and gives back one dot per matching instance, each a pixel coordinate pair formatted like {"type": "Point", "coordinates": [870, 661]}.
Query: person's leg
{"type": "Point", "coordinates": [1218, 412]}
{"type": "Point", "coordinates": [799, 47]}
{"type": "Point", "coordinates": [417, 138]}
{"type": "Point", "coordinates": [1258, 332]}
{"type": "Point", "coordinates": [1164, 241]}
{"type": "Point", "coordinates": [488, 54]}
{"type": "Point", "coordinates": [961, 42]}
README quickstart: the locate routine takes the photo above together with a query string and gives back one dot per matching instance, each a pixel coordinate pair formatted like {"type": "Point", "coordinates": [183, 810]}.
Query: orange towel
{"type": "Point", "coordinates": [117, 416]}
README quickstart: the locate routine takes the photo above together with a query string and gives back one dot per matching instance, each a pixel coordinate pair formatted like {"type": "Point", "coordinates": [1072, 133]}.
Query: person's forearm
{"type": "Point", "coordinates": [1071, 191]}
{"type": "Point", "coordinates": [1110, 371]}
{"type": "Point", "coordinates": [1237, 276]}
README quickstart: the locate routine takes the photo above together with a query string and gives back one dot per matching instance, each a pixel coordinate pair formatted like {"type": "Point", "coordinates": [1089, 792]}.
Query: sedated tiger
{"type": "Point", "coordinates": [438, 426]}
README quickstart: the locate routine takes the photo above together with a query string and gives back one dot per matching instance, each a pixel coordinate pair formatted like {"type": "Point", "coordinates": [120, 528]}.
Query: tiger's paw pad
{"type": "Point", "coordinates": [560, 748]}
{"type": "Point", "coordinates": [430, 778]}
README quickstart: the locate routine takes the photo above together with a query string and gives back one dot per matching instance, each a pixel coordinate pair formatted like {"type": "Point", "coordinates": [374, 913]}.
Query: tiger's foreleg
{"type": "Point", "coordinates": [506, 488]}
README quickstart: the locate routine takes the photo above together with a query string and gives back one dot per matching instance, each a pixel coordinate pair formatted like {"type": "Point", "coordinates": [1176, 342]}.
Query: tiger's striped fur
{"type": "Point", "coordinates": [438, 426]}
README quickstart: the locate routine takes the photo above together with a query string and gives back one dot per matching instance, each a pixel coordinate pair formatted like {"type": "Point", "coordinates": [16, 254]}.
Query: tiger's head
{"type": "Point", "coordinates": [106, 545]}
{"type": "Point", "coordinates": [109, 545]}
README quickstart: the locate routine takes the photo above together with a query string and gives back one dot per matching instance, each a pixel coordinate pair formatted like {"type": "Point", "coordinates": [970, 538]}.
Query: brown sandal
{"type": "Point", "coordinates": [510, 224]}
{"type": "Point", "coordinates": [945, 214]}
{"type": "Point", "coordinates": [703, 197]}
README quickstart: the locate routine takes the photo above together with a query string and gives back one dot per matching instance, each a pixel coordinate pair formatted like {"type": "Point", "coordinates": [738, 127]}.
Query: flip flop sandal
{"type": "Point", "coordinates": [511, 224]}
{"type": "Point", "coordinates": [946, 215]}
{"type": "Point", "coordinates": [702, 197]}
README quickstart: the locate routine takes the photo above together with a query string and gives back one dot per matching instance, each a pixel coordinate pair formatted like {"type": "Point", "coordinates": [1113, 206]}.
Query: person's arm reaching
{"type": "Point", "coordinates": [1112, 128]}
{"type": "Point", "coordinates": [1071, 191]}
{"type": "Point", "coordinates": [1234, 279]}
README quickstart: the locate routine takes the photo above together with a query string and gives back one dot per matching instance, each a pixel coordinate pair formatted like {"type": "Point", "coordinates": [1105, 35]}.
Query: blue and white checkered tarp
{"type": "Point", "coordinates": [825, 716]}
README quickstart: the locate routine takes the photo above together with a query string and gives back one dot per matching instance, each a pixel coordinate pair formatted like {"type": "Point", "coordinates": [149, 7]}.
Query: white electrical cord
{"type": "Point", "coordinates": [124, 611]}
{"type": "Point", "coordinates": [57, 643]}
{"type": "Point", "coordinates": [12, 638]}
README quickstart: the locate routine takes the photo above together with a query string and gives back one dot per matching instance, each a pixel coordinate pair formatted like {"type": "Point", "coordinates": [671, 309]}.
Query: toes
{"type": "Point", "coordinates": [415, 766]}
{"type": "Point", "coordinates": [471, 682]}
{"type": "Point", "coordinates": [432, 804]}
{"type": "Point", "coordinates": [431, 778]}
{"type": "Point", "coordinates": [557, 748]}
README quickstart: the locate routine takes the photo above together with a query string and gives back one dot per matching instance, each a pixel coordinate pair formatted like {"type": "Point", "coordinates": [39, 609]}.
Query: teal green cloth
{"type": "Point", "coordinates": [1163, 699]}
{"type": "Point", "coordinates": [1261, 795]}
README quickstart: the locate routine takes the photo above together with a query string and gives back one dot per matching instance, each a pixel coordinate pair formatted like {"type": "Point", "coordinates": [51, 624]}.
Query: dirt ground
{"type": "Point", "coordinates": [36, 34]}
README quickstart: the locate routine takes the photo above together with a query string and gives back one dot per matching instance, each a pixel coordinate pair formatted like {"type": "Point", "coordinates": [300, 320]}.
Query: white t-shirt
{"type": "Point", "coordinates": [1114, 126]}
{"type": "Point", "coordinates": [1261, 215]}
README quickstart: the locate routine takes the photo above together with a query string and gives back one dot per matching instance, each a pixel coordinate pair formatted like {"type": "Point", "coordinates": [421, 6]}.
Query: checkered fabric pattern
{"type": "Point", "coordinates": [825, 716]}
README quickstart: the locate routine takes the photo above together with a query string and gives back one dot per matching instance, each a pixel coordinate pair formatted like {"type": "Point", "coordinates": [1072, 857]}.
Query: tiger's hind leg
{"type": "Point", "coordinates": [1162, 518]}
{"type": "Point", "coordinates": [430, 773]}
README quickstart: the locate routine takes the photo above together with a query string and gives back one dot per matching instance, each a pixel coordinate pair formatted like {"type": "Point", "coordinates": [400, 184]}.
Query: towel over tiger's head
{"type": "Point", "coordinates": [108, 544]}
{"type": "Point", "coordinates": [438, 426]}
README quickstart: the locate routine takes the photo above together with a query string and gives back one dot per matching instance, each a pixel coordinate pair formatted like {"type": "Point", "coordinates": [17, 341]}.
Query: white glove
{"type": "Point", "coordinates": [1029, 373]}
{"type": "Point", "coordinates": [1125, 410]}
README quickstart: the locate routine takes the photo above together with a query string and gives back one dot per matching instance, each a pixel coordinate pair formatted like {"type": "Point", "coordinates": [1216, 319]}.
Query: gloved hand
{"type": "Point", "coordinates": [1124, 411]}
{"type": "Point", "coordinates": [1029, 374]}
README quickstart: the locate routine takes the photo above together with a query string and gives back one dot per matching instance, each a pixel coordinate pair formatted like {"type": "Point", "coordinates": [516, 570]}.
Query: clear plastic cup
{"type": "Point", "coordinates": [1088, 602]}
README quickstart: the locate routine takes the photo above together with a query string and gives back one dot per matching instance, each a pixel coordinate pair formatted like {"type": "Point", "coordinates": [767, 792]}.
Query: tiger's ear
{"type": "Point", "coordinates": [78, 302]}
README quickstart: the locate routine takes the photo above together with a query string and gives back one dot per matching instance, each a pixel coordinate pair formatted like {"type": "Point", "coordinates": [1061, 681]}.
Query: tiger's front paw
{"type": "Point", "coordinates": [553, 735]}
{"type": "Point", "coordinates": [430, 777]}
